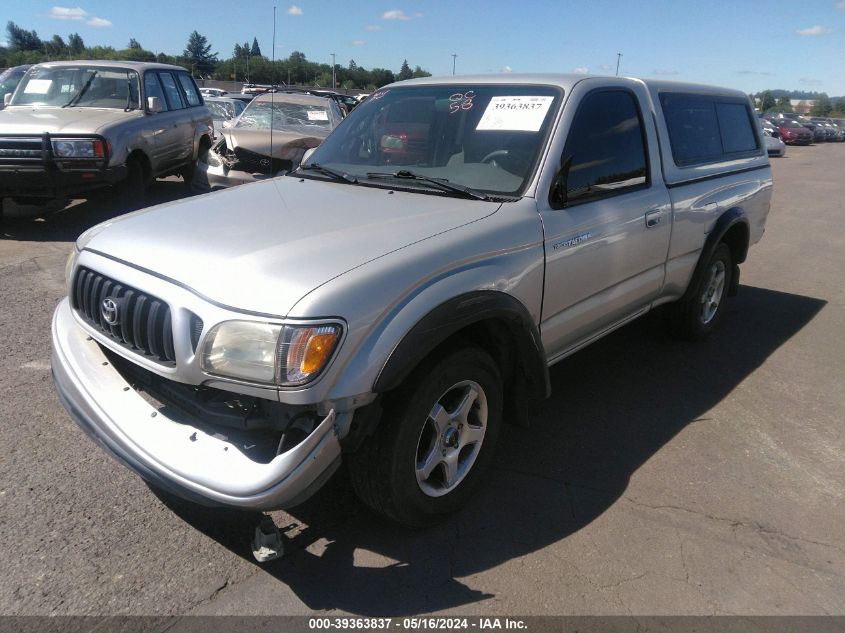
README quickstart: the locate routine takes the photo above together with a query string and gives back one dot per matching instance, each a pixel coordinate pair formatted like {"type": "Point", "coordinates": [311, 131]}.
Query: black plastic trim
{"type": "Point", "coordinates": [726, 221]}
{"type": "Point", "coordinates": [721, 174]}
{"type": "Point", "coordinates": [456, 314]}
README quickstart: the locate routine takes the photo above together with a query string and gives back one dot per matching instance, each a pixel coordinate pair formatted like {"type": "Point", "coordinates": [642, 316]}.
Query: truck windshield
{"type": "Point", "coordinates": [486, 138]}
{"type": "Point", "coordinates": [80, 87]}
{"type": "Point", "coordinates": [296, 117]}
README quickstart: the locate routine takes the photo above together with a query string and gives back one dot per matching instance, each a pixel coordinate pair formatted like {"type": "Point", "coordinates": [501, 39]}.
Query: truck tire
{"type": "Point", "coordinates": [189, 171]}
{"type": "Point", "coordinates": [435, 440]}
{"type": "Point", "coordinates": [131, 193]}
{"type": "Point", "coordinates": [695, 315]}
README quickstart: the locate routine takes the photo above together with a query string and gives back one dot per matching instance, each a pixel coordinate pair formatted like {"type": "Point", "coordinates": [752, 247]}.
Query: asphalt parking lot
{"type": "Point", "coordinates": [660, 478]}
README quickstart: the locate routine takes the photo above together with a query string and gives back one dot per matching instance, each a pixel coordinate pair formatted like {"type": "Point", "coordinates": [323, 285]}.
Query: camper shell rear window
{"type": "Point", "coordinates": [708, 128]}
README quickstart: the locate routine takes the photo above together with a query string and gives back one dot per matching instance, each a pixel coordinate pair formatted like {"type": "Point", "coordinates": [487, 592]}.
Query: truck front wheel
{"type": "Point", "coordinates": [132, 191]}
{"type": "Point", "coordinates": [695, 316]}
{"type": "Point", "coordinates": [435, 440]}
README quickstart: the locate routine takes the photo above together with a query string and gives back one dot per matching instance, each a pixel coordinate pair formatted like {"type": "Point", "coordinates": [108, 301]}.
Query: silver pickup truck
{"type": "Point", "coordinates": [399, 297]}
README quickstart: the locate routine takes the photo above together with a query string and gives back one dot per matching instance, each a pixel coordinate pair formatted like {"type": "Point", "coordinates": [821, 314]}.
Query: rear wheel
{"type": "Point", "coordinates": [435, 440]}
{"type": "Point", "coordinates": [695, 316]}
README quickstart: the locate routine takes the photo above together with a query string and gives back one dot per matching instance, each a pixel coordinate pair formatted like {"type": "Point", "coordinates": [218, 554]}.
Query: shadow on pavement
{"type": "Point", "coordinates": [613, 406]}
{"type": "Point", "coordinates": [56, 223]}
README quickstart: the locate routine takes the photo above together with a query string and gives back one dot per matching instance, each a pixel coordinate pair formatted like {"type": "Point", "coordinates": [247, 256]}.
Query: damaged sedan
{"type": "Point", "coordinates": [268, 139]}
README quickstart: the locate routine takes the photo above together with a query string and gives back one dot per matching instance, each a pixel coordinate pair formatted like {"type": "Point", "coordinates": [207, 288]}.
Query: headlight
{"type": "Point", "coordinates": [287, 355]}
{"type": "Point", "coordinates": [71, 260]}
{"type": "Point", "coordinates": [78, 149]}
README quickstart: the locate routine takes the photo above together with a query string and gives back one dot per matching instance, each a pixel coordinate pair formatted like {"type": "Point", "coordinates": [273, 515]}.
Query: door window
{"type": "Point", "coordinates": [190, 90]}
{"type": "Point", "coordinates": [605, 149]}
{"type": "Point", "coordinates": [152, 88]}
{"type": "Point", "coordinates": [171, 90]}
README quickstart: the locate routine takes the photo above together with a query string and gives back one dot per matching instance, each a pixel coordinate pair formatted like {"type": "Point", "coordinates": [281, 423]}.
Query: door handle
{"type": "Point", "coordinates": [652, 218]}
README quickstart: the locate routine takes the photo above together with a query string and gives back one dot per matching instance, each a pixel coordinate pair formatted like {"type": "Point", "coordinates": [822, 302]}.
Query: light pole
{"type": "Point", "coordinates": [618, 57]}
{"type": "Point", "coordinates": [333, 75]}
{"type": "Point", "coordinates": [454, 56]}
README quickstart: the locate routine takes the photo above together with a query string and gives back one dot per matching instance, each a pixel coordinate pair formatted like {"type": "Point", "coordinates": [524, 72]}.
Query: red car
{"type": "Point", "coordinates": [793, 133]}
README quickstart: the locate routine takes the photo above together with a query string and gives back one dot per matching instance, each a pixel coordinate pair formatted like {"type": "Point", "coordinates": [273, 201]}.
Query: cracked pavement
{"type": "Point", "coordinates": [660, 478]}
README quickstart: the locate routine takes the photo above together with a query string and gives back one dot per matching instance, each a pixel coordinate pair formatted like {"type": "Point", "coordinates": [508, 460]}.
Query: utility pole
{"type": "Point", "coordinates": [454, 56]}
{"type": "Point", "coordinates": [618, 57]}
{"type": "Point", "coordinates": [334, 83]}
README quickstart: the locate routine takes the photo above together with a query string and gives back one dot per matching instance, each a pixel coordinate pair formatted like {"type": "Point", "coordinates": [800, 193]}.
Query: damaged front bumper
{"type": "Point", "coordinates": [215, 177]}
{"type": "Point", "coordinates": [172, 450]}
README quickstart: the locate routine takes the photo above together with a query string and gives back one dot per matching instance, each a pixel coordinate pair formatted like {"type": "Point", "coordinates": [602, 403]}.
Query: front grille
{"type": "Point", "coordinates": [141, 322]}
{"type": "Point", "coordinates": [22, 150]}
{"type": "Point", "coordinates": [260, 163]}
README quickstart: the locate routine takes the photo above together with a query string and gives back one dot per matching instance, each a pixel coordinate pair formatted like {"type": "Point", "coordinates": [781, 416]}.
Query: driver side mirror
{"type": "Point", "coordinates": [557, 195]}
{"type": "Point", "coordinates": [307, 154]}
{"type": "Point", "coordinates": [154, 105]}
{"type": "Point", "coordinates": [7, 98]}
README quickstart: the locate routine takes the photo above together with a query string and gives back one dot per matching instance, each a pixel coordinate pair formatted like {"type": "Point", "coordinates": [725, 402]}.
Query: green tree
{"type": "Point", "coordinates": [419, 72]}
{"type": "Point", "coordinates": [767, 101]}
{"type": "Point", "coordinates": [133, 43]}
{"type": "Point", "coordinates": [238, 52]}
{"type": "Point", "coordinates": [198, 54]}
{"type": "Point", "coordinates": [405, 72]}
{"type": "Point", "coordinates": [352, 65]}
{"type": "Point", "coordinates": [823, 106]}
{"type": "Point", "coordinates": [56, 47]}
{"type": "Point", "coordinates": [255, 51]}
{"type": "Point", "coordinates": [75, 44]}
{"type": "Point", "coordinates": [381, 77]}
{"type": "Point", "coordinates": [22, 40]}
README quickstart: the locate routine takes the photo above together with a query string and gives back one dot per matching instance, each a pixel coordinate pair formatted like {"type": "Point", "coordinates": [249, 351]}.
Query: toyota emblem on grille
{"type": "Point", "coordinates": [109, 310]}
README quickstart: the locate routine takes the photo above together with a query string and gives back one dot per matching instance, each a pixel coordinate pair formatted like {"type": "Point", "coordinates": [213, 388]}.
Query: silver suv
{"type": "Point", "coordinates": [399, 297]}
{"type": "Point", "coordinates": [74, 127]}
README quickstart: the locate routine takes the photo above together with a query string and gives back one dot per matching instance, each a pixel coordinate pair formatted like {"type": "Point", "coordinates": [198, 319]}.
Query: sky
{"type": "Point", "coordinates": [749, 45]}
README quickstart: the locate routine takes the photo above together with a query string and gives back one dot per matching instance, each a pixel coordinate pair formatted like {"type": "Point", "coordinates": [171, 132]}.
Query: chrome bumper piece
{"type": "Point", "coordinates": [176, 455]}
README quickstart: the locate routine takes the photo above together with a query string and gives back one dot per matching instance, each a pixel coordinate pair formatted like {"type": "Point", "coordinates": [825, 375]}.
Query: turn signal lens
{"type": "Point", "coordinates": [305, 351]}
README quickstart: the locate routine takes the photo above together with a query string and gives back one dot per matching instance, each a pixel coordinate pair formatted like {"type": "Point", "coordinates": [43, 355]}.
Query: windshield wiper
{"type": "Point", "coordinates": [442, 183]}
{"type": "Point", "coordinates": [82, 91]}
{"type": "Point", "coordinates": [337, 175]}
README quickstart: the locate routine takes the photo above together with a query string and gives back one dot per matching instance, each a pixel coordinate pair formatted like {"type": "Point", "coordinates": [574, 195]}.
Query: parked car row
{"type": "Point", "coordinates": [794, 129]}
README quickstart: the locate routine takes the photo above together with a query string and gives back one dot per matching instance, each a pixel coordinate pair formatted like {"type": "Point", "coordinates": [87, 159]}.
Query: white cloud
{"type": "Point", "coordinates": [605, 66]}
{"type": "Point", "coordinates": [814, 30]}
{"type": "Point", "coordinates": [374, 27]}
{"type": "Point", "coordinates": [754, 72]}
{"type": "Point", "coordinates": [399, 14]}
{"type": "Point", "coordinates": [294, 10]}
{"type": "Point", "coordinates": [98, 22]}
{"type": "Point", "coordinates": [67, 13]}
{"type": "Point", "coordinates": [507, 69]}
{"type": "Point", "coordinates": [665, 72]}
{"type": "Point", "coordinates": [807, 81]}
{"type": "Point", "coordinates": [77, 14]}
{"type": "Point", "coordinates": [357, 42]}
{"type": "Point", "coordinates": [581, 70]}
{"type": "Point", "coordinates": [841, 5]}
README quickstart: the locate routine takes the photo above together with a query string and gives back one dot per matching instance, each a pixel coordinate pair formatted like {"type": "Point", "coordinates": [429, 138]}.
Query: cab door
{"type": "Point", "coordinates": [606, 218]}
{"type": "Point", "coordinates": [169, 131]}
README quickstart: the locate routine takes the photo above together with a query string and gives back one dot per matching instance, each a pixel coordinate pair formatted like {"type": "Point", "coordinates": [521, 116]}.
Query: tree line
{"type": "Point", "coordinates": [246, 64]}
{"type": "Point", "coordinates": [779, 101]}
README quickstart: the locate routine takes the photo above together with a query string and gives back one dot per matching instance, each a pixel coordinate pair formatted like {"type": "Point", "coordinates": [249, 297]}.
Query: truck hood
{"type": "Point", "coordinates": [37, 120]}
{"type": "Point", "coordinates": [261, 247]}
{"type": "Point", "coordinates": [287, 145]}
